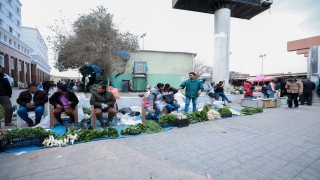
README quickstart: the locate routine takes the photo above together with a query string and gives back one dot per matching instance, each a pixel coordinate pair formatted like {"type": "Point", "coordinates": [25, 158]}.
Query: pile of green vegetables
{"type": "Point", "coordinates": [1, 112]}
{"type": "Point", "coordinates": [198, 116]}
{"type": "Point", "coordinates": [17, 133]}
{"type": "Point", "coordinates": [250, 111]}
{"type": "Point", "coordinates": [225, 111]}
{"type": "Point", "coordinates": [167, 118]}
{"type": "Point", "coordinates": [145, 127]}
{"type": "Point", "coordinates": [90, 134]}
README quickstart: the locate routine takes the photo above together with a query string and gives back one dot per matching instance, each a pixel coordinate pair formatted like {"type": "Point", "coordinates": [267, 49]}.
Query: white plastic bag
{"type": "Point", "coordinates": [45, 122]}
{"type": "Point", "coordinates": [218, 104]}
{"type": "Point", "coordinates": [128, 120]}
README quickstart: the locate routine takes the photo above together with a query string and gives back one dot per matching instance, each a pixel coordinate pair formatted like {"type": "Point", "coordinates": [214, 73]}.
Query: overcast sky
{"type": "Point", "coordinates": [186, 31]}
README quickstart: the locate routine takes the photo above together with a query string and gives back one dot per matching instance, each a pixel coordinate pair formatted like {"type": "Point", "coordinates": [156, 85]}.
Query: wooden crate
{"type": "Point", "coordinates": [269, 103]}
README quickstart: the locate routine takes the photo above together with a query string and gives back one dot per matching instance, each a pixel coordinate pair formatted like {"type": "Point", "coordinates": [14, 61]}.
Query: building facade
{"type": "Point", "coordinates": [15, 54]}
{"type": "Point", "coordinates": [40, 67]}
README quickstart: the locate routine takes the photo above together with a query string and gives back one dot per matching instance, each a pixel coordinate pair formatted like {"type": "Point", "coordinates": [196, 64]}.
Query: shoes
{"type": "Point", "coordinates": [30, 124]}
{"type": "Point", "coordinates": [10, 124]}
{"type": "Point", "coordinates": [288, 107]}
{"type": "Point", "coordinates": [224, 104]}
{"type": "Point", "coordinates": [37, 122]}
{"type": "Point", "coordinates": [229, 101]}
{"type": "Point", "coordinates": [295, 106]}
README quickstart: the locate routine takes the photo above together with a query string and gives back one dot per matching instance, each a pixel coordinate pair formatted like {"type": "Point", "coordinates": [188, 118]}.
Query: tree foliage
{"type": "Point", "coordinates": [91, 39]}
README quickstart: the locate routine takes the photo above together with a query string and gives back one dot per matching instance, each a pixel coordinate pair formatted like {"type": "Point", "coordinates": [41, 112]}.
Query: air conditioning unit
{"type": "Point", "coordinates": [266, 2]}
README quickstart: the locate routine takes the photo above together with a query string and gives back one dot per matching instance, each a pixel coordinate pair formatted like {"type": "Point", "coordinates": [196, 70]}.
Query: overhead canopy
{"type": "Point", "coordinates": [260, 78]}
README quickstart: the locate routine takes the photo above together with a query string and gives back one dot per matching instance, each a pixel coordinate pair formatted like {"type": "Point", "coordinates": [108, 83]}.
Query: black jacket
{"type": "Point", "coordinates": [218, 88]}
{"type": "Point", "coordinates": [7, 84]}
{"type": "Point", "coordinates": [55, 99]}
{"type": "Point", "coordinates": [39, 99]}
{"type": "Point", "coordinates": [309, 85]}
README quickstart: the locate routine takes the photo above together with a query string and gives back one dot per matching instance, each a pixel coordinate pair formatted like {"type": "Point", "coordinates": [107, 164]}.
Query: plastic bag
{"type": "Point", "coordinates": [114, 91]}
{"type": "Point", "coordinates": [125, 110]}
{"type": "Point", "coordinates": [128, 120]}
{"type": "Point", "coordinates": [45, 123]}
{"type": "Point", "coordinates": [218, 104]}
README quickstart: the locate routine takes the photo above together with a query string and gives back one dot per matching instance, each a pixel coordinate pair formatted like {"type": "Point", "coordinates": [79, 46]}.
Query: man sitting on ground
{"type": "Point", "coordinates": [32, 100]}
{"type": "Point", "coordinates": [103, 101]}
{"type": "Point", "coordinates": [63, 101]}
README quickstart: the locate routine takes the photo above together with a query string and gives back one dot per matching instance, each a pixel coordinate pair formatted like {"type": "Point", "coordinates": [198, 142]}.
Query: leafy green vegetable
{"type": "Point", "coordinates": [131, 130]}
{"type": "Point", "coordinates": [113, 132]}
{"type": "Point", "coordinates": [250, 111]}
{"type": "Point", "coordinates": [86, 110]}
{"type": "Point", "coordinates": [167, 118]}
{"type": "Point", "coordinates": [16, 133]}
{"type": "Point", "coordinates": [1, 112]}
{"type": "Point", "coordinates": [225, 111]}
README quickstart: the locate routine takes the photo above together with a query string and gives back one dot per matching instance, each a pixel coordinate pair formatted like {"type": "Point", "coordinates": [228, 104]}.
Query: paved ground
{"type": "Point", "coordinates": [277, 144]}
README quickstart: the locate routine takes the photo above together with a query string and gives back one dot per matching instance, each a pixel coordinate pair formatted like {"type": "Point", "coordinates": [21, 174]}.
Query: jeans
{"type": "Point", "coordinates": [6, 104]}
{"type": "Point", "coordinates": [194, 104]}
{"type": "Point", "coordinates": [154, 115]}
{"type": "Point", "coordinates": [224, 97]}
{"type": "Point", "coordinates": [23, 113]}
{"type": "Point", "coordinates": [271, 94]}
{"type": "Point", "coordinates": [172, 107]}
{"type": "Point", "coordinates": [294, 97]}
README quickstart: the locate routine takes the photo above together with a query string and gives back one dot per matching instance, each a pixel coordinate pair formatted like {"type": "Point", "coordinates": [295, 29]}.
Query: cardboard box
{"type": "Point", "coordinates": [255, 103]}
{"type": "Point", "coordinates": [269, 103]}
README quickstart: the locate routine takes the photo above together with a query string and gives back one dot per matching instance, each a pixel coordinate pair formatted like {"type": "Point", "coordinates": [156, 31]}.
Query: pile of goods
{"type": "Point", "coordinates": [145, 127]}
{"type": "Point", "coordinates": [250, 111]}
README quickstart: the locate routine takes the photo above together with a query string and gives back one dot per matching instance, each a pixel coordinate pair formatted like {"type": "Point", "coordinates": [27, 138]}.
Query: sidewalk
{"type": "Point", "coordinates": [276, 144]}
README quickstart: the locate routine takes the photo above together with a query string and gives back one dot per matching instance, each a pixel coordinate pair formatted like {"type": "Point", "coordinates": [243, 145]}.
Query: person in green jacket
{"type": "Point", "coordinates": [103, 101]}
{"type": "Point", "coordinates": [193, 90]}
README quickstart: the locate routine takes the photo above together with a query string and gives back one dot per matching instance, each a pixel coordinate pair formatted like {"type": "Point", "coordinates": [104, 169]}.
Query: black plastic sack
{"type": "Point", "coordinates": [134, 113]}
{"type": "Point", "coordinates": [125, 110]}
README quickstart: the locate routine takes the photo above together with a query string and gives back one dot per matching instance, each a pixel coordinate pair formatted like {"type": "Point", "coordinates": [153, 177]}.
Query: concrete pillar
{"type": "Point", "coordinates": [221, 46]}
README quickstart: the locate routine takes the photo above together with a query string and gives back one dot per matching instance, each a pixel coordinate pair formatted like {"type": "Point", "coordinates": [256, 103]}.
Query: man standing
{"type": "Point", "coordinates": [308, 87]}
{"type": "Point", "coordinates": [294, 89]}
{"type": "Point", "coordinates": [32, 100]}
{"type": "Point", "coordinates": [193, 90]}
{"type": "Point", "coordinates": [5, 95]}
{"type": "Point", "coordinates": [103, 101]}
{"type": "Point", "coordinates": [63, 101]}
{"type": "Point", "coordinates": [283, 88]}
{"type": "Point", "coordinates": [46, 86]}
{"type": "Point", "coordinates": [272, 88]}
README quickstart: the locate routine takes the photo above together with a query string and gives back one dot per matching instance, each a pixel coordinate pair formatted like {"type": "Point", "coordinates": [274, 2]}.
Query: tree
{"type": "Point", "coordinates": [92, 39]}
{"type": "Point", "coordinates": [200, 67]}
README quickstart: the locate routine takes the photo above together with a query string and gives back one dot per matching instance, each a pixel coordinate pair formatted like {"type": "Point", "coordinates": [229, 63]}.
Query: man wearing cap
{"type": "Point", "coordinates": [103, 101]}
{"type": "Point", "coordinates": [193, 90]}
{"type": "Point", "coordinates": [294, 89]}
{"type": "Point", "coordinates": [32, 100]}
{"type": "Point", "coordinates": [5, 95]}
{"type": "Point", "coordinates": [63, 101]}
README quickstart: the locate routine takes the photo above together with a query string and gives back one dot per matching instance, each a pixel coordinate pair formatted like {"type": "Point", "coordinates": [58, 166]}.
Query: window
{"type": "Point", "coordinates": [11, 64]}
{"type": "Point", "coordinates": [19, 46]}
{"type": "Point", "coordinates": [14, 44]}
{"type": "Point", "coordinates": [10, 41]}
{"type": "Point", "coordinates": [10, 16]}
{"type": "Point", "coordinates": [10, 2]}
{"type": "Point", "coordinates": [19, 66]}
{"type": "Point", "coordinates": [18, 23]}
{"type": "Point", "coordinates": [5, 38]}
{"type": "Point", "coordinates": [18, 10]}
{"type": "Point", "coordinates": [0, 22]}
{"type": "Point", "coordinates": [18, 35]}
{"type": "Point", "coordinates": [10, 29]}
{"type": "Point", "coordinates": [2, 60]}
{"type": "Point", "coordinates": [25, 67]}
{"type": "Point", "coordinates": [1, 8]}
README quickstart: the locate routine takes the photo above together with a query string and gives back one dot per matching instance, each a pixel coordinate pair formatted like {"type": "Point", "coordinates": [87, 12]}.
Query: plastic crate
{"type": "Point", "coordinates": [20, 142]}
{"type": "Point", "coordinates": [173, 124]}
{"type": "Point", "coordinates": [224, 116]}
{"type": "Point", "coordinates": [183, 123]}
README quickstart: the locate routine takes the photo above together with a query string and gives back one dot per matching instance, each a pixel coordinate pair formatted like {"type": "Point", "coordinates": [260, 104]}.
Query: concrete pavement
{"type": "Point", "coordinates": [276, 144]}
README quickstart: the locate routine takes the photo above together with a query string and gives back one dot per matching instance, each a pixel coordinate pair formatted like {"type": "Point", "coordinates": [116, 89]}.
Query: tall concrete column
{"type": "Point", "coordinates": [221, 46]}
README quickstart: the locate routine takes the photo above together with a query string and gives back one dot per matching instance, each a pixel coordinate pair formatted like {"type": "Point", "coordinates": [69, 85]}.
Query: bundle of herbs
{"type": "Point", "coordinates": [167, 118]}
{"type": "Point", "coordinates": [17, 133]}
{"type": "Point", "coordinates": [199, 116]}
{"type": "Point", "coordinates": [150, 127]}
{"type": "Point", "coordinates": [250, 111]}
{"type": "Point", "coordinates": [131, 130]}
{"type": "Point", "coordinates": [225, 111]}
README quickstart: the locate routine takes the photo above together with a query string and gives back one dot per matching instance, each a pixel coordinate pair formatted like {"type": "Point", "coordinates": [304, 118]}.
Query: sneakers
{"type": "Point", "coordinates": [37, 122]}
{"type": "Point", "coordinates": [229, 101]}
{"type": "Point", "coordinates": [10, 124]}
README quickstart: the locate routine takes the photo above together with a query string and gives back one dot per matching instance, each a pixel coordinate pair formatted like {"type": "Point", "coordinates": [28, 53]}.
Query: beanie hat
{"type": "Point", "coordinates": [63, 87]}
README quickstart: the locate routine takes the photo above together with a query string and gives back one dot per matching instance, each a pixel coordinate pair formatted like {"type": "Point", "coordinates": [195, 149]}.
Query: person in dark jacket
{"type": "Point", "coordinates": [46, 86]}
{"type": "Point", "coordinates": [308, 87]}
{"type": "Point", "coordinates": [172, 105]}
{"type": "Point", "coordinates": [32, 100]}
{"type": "Point", "coordinates": [283, 88]}
{"type": "Point", "coordinates": [265, 90]}
{"type": "Point", "coordinates": [5, 95]}
{"type": "Point", "coordinates": [103, 101]}
{"type": "Point", "coordinates": [219, 90]}
{"type": "Point", "coordinates": [63, 101]}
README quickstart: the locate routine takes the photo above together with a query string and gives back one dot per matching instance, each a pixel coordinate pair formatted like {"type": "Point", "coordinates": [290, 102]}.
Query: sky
{"type": "Point", "coordinates": [169, 29]}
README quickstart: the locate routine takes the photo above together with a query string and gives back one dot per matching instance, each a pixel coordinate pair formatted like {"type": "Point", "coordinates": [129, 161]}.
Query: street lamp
{"type": "Point", "coordinates": [142, 36]}
{"type": "Point", "coordinates": [262, 55]}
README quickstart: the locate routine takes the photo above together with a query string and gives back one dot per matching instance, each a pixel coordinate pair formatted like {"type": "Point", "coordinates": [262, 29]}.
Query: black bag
{"type": "Point", "coordinates": [168, 98]}
{"type": "Point", "coordinates": [125, 110]}
{"type": "Point", "coordinates": [214, 95]}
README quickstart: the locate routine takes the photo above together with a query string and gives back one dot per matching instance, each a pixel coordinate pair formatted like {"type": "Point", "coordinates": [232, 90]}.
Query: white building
{"type": "Point", "coordinates": [15, 55]}
{"type": "Point", "coordinates": [39, 55]}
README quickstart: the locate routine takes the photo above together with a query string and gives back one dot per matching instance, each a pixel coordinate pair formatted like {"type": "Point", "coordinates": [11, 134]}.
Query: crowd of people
{"type": "Point", "coordinates": [298, 90]}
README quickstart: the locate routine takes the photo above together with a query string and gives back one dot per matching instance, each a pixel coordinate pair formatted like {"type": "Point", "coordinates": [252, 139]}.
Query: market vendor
{"type": "Point", "coordinates": [32, 100]}
{"type": "Point", "coordinates": [103, 101]}
{"type": "Point", "coordinates": [63, 101]}
{"type": "Point", "coordinates": [249, 93]}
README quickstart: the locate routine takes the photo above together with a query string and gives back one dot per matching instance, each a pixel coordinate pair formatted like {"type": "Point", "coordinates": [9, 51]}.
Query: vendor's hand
{"type": "Point", "coordinates": [29, 105]}
{"type": "Point", "coordinates": [152, 110]}
{"type": "Point", "coordinates": [58, 106]}
{"type": "Point", "coordinates": [199, 92]}
{"type": "Point", "coordinates": [300, 93]}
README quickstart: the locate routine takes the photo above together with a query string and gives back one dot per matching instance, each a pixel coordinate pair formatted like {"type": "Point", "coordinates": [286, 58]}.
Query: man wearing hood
{"type": "Point", "coordinates": [63, 101]}
{"type": "Point", "coordinates": [155, 96]}
{"type": "Point", "coordinates": [5, 95]}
